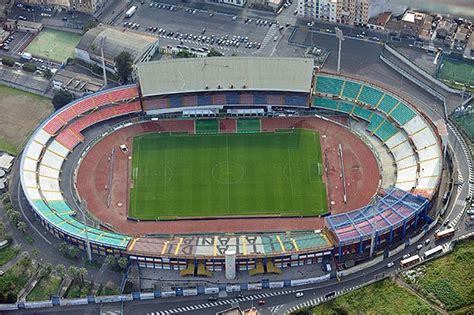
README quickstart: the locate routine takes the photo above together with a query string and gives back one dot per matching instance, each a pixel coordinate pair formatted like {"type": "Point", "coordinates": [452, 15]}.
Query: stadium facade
{"type": "Point", "coordinates": [240, 86]}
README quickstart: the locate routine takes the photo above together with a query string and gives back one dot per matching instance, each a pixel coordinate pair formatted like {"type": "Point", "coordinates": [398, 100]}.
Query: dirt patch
{"type": "Point", "coordinates": [21, 112]}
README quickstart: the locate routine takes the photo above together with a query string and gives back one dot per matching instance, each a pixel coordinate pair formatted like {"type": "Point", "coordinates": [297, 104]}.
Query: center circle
{"type": "Point", "coordinates": [228, 172]}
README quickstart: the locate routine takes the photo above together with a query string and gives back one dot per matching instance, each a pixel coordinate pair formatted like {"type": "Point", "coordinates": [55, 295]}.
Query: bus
{"type": "Point", "coordinates": [404, 263]}
{"type": "Point", "coordinates": [449, 232]}
{"type": "Point", "coordinates": [131, 12]}
{"type": "Point", "coordinates": [433, 251]}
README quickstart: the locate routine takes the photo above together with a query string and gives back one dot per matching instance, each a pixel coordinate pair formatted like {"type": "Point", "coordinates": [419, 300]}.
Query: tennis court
{"type": "Point", "coordinates": [238, 174]}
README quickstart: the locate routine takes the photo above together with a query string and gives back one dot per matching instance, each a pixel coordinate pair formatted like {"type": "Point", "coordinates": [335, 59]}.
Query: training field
{"type": "Point", "coordinates": [462, 72]}
{"type": "Point", "coordinates": [241, 174]}
{"type": "Point", "coordinates": [54, 45]}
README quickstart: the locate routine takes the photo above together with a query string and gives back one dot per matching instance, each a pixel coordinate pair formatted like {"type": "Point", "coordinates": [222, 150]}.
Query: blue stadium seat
{"type": "Point", "coordinates": [204, 100]}
{"type": "Point", "coordinates": [176, 101]}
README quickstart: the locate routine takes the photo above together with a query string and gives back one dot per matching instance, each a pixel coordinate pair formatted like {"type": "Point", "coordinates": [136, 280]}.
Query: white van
{"type": "Point", "coordinates": [328, 268]}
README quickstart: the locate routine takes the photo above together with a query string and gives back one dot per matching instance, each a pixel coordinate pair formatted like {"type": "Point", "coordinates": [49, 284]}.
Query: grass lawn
{"type": "Point", "coordinates": [383, 297]}
{"type": "Point", "coordinates": [108, 290]}
{"type": "Point", "coordinates": [47, 286]}
{"type": "Point", "coordinates": [78, 291]}
{"type": "Point", "coordinates": [450, 278]}
{"type": "Point", "coordinates": [462, 72]}
{"type": "Point", "coordinates": [227, 174]}
{"type": "Point", "coordinates": [14, 279]}
{"type": "Point", "coordinates": [467, 123]}
{"type": "Point", "coordinates": [7, 254]}
{"type": "Point", "coordinates": [21, 113]}
{"type": "Point", "coordinates": [54, 45]}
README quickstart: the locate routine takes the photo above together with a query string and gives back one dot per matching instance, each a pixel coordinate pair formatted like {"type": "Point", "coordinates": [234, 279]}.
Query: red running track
{"type": "Point", "coordinates": [361, 170]}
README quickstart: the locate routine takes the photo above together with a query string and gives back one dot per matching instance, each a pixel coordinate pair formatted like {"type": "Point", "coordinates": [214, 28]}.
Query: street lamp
{"type": "Point", "coordinates": [340, 37]}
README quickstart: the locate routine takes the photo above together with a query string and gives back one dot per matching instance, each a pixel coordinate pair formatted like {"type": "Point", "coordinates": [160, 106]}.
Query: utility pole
{"type": "Point", "coordinates": [88, 244]}
{"type": "Point", "coordinates": [340, 37]}
{"type": "Point", "coordinates": [104, 71]}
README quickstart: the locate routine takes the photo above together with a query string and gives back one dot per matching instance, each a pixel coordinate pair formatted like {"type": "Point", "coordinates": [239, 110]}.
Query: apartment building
{"type": "Point", "coordinates": [86, 6]}
{"type": "Point", "coordinates": [349, 12]}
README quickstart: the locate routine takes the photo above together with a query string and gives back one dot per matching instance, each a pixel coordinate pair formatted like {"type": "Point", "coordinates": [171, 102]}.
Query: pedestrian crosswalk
{"type": "Point", "coordinates": [183, 309]}
{"type": "Point", "coordinates": [270, 34]}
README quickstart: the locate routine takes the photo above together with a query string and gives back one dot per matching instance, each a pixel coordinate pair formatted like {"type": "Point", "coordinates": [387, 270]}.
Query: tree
{"type": "Point", "coordinates": [14, 216]}
{"type": "Point", "coordinates": [62, 98]}
{"type": "Point", "coordinates": [47, 74]}
{"type": "Point", "coordinates": [35, 253]}
{"type": "Point", "coordinates": [29, 67]}
{"type": "Point", "coordinates": [185, 54]}
{"type": "Point", "coordinates": [60, 270]}
{"type": "Point", "coordinates": [214, 53]}
{"type": "Point", "coordinates": [73, 251]}
{"type": "Point", "coordinates": [82, 272]}
{"type": "Point", "coordinates": [45, 270]}
{"type": "Point", "coordinates": [62, 247]}
{"type": "Point", "coordinates": [73, 272]}
{"type": "Point", "coordinates": [90, 24]}
{"type": "Point", "coordinates": [7, 61]}
{"type": "Point", "coordinates": [122, 262]}
{"type": "Point", "coordinates": [110, 262]}
{"type": "Point", "coordinates": [123, 63]}
{"type": "Point", "coordinates": [21, 226]}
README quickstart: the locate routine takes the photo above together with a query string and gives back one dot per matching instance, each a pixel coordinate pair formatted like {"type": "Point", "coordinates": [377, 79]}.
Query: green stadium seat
{"type": "Point", "coordinates": [362, 113]}
{"type": "Point", "coordinates": [345, 107]}
{"type": "Point", "coordinates": [385, 131]}
{"type": "Point", "coordinates": [375, 121]}
{"type": "Point", "coordinates": [370, 96]}
{"type": "Point", "coordinates": [329, 85]}
{"type": "Point", "coordinates": [387, 104]}
{"type": "Point", "coordinates": [325, 103]}
{"type": "Point", "coordinates": [402, 114]}
{"type": "Point", "coordinates": [351, 90]}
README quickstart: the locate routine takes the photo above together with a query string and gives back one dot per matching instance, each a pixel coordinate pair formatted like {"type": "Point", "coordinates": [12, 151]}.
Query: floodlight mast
{"type": "Point", "coordinates": [340, 37]}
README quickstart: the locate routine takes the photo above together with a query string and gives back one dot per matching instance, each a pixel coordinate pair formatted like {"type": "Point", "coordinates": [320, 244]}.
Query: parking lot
{"type": "Point", "coordinates": [200, 29]}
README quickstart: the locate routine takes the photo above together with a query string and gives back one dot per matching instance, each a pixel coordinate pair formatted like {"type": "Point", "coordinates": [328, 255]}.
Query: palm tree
{"type": "Point", "coordinates": [21, 226]}
{"type": "Point", "coordinates": [60, 270]}
{"type": "Point", "coordinates": [82, 273]}
{"type": "Point", "coordinates": [35, 253]}
{"type": "Point", "coordinates": [73, 271]}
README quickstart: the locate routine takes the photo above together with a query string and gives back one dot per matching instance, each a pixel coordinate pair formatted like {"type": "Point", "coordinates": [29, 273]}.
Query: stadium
{"type": "Point", "coordinates": [265, 159]}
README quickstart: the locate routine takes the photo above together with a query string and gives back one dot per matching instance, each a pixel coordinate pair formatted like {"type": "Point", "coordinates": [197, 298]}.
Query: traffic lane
{"type": "Point", "coordinates": [223, 9]}
{"type": "Point", "coordinates": [141, 307]}
{"type": "Point", "coordinates": [346, 30]}
{"type": "Point", "coordinates": [184, 22]}
{"type": "Point", "coordinates": [355, 54]}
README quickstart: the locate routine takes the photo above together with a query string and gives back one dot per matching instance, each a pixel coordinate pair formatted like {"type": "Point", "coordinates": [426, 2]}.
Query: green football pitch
{"type": "Point", "coordinates": [180, 175]}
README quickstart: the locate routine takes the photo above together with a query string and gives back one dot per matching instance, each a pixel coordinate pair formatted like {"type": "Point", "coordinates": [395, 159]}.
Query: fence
{"type": "Point", "coordinates": [178, 291]}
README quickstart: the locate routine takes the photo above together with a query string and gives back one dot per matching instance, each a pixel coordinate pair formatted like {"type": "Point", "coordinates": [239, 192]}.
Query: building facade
{"type": "Point", "coordinates": [86, 6]}
{"type": "Point", "coordinates": [349, 12]}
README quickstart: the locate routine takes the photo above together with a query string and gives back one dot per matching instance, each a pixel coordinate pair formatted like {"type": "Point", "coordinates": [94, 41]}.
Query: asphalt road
{"type": "Point", "coordinates": [183, 22]}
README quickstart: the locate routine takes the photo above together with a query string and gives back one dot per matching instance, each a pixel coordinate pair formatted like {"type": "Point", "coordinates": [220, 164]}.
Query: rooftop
{"type": "Point", "coordinates": [115, 41]}
{"type": "Point", "coordinates": [225, 74]}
